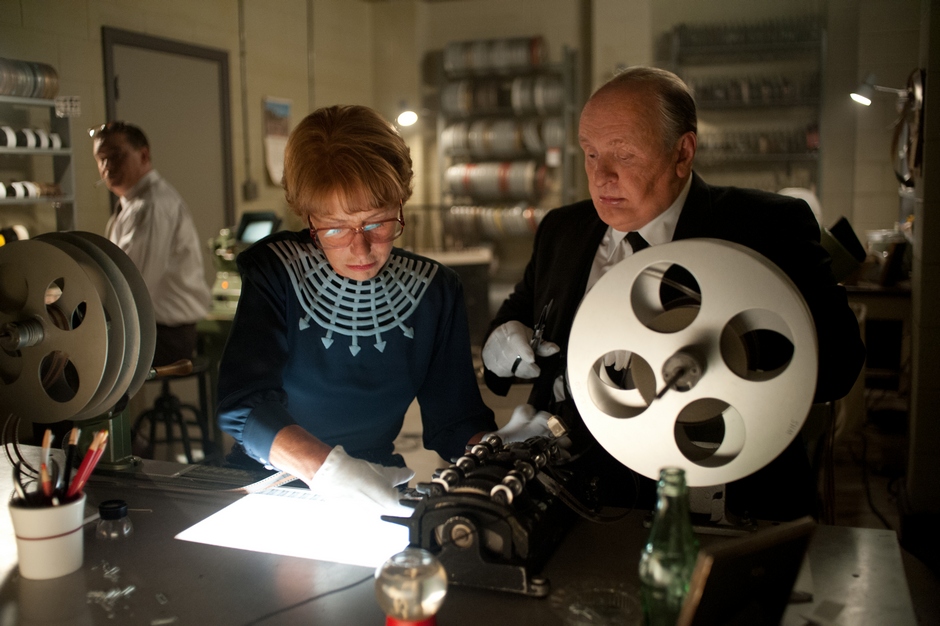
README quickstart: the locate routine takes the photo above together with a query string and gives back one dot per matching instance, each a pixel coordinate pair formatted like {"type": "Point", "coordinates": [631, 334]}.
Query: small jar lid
{"type": "Point", "coordinates": [112, 509]}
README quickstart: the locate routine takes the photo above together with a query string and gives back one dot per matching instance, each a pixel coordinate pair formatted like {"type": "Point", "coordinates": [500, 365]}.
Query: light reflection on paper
{"type": "Point", "coordinates": [295, 522]}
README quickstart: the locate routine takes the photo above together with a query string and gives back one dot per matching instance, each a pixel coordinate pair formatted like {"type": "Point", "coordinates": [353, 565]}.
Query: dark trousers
{"type": "Point", "coordinates": [174, 343]}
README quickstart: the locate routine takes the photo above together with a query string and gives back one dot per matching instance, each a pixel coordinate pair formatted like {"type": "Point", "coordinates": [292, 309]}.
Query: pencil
{"type": "Point", "coordinates": [70, 456]}
{"type": "Point", "coordinates": [87, 464]}
{"type": "Point", "coordinates": [101, 446]}
{"type": "Point", "coordinates": [45, 480]}
{"type": "Point", "coordinates": [46, 446]}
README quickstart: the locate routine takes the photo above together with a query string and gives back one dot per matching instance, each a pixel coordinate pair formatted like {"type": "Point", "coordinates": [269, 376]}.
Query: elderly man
{"type": "Point", "coordinates": [638, 134]}
{"type": "Point", "coordinates": [154, 228]}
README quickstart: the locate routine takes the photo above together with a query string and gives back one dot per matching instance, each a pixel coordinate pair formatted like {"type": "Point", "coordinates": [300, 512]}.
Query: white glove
{"type": "Point", "coordinates": [525, 423]}
{"type": "Point", "coordinates": [509, 343]}
{"type": "Point", "coordinates": [342, 476]}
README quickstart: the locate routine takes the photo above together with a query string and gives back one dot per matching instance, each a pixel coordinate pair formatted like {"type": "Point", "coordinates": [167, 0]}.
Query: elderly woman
{"type": "Point", "coordinates": [337, 331]}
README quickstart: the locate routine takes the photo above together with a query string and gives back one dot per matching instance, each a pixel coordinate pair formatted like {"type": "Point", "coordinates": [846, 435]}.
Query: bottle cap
{"type": "Point", "coordinates": [112, 509]}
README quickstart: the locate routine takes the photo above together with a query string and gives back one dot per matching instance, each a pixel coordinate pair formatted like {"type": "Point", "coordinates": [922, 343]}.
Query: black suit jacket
{"type": "Point", "coordinates": [781, 228]}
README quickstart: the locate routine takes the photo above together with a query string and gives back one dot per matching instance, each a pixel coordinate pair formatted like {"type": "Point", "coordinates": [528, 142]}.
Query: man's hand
{"type": "Point", "coordinates": [507, 351]}
{"type": "Point", "coordinates": [525, 423]}
{"type": "Point", "coordinates": [342, 476]}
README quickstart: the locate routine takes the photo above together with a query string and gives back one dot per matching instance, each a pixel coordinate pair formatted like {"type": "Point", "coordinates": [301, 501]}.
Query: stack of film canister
{"type": "Point", "coordinates": [468, 222]}
{"type": "Point", "coordinates": [502, 138]}
{"type": "Point", "coordinates": [496, 180]}
{"type": "Point", "coordinates": [492, 56]}
{"type": "Point", "coordinates": [28, 79]}
{"type": "Point", "coordinates": [29, 189]}
{"type": "Point", "coordinates": [28, 138]}
{"type": "Point", "coordinates": [498, 94]}
{"type": "Point", "coordinates": [503, 95]}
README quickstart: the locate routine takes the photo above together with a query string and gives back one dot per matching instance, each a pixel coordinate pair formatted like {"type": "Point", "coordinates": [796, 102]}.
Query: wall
{"type": "Point", "coordinates": [922, 490]}
{"type": "Point", "coordinates": [622, 37]}
{"type": "Point", "coordinates": [318, 52]}
{"type": "Point", "coordinates": [888, 47]}
{"type": "Point", "coordinates": [861, 34]}
{"type": "Point", "coordinates": [438, 23]}
{"type": "Point", "coordinates": [67, 35]}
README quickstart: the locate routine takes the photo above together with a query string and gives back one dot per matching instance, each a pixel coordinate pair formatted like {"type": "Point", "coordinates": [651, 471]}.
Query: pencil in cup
{"type": "Point", "coordinates": [70, 455]}
{"type": "Point", "coordinates": [92, 456]}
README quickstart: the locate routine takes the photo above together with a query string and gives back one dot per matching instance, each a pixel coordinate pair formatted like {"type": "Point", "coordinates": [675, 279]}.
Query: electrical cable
{"type": "Point", "coordinates": [867, 484]}
{"type": "Point", "coordinates": [356, 583]}
{"type": "Point", "coordinates": [296, 605]}
{"type": "Point", "coordinates": [11, 439]}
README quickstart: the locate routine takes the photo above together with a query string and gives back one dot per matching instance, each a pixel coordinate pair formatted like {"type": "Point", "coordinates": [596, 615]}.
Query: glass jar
{"type": "Point", "coordinates": [410, 588]}
{"type": "Point", "coordinates": [113, 522]}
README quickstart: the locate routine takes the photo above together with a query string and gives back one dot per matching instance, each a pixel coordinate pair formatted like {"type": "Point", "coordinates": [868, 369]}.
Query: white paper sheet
{"type": "Point", "coordinates": [295, 522]}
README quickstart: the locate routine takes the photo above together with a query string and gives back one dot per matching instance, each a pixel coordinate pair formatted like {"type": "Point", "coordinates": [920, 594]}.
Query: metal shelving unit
{"type": "Point", "coordinates": [506, 142]}
{"type": "Point", "coordinates": [758, 92]}
{"type": "Point", "coordinates": [43, 165]}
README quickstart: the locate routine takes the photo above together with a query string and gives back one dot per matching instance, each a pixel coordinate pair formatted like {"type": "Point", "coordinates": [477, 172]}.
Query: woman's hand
{"type": "Point", "coordinates": [343, 476]}
{"type": "Point", "coordinates": [333, 473]}
{"type": "Point", "coordinates": [296, 451]}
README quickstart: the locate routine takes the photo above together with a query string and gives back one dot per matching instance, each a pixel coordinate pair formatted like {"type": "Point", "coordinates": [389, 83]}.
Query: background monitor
{"type": "Point", "coordinates": [255, 225]}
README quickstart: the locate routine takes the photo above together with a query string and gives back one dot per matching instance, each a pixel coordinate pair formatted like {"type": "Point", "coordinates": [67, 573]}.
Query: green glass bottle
{"type": "Point", "coordinates": [668, 558]}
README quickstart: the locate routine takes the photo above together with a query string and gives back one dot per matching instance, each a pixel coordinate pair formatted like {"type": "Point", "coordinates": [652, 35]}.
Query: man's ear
{"type": "Point", "coordinates": [145, 155]}
{"type": "Point", "coordinates": [685, 153]}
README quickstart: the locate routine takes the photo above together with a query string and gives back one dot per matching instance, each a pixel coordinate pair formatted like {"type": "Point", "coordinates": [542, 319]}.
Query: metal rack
{"type": "Point", "coordinates": [505, 132]}
{"type": "Point", "coordinates": [758, 92]}
{"type": "Point", "coordinates": [46, 165]}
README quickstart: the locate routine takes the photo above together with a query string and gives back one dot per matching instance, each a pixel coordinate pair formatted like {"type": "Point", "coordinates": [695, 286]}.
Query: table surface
{"type": "Point", "coordinates": [180, 582]}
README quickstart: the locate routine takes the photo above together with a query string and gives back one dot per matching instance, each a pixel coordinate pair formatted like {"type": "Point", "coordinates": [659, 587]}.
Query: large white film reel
{"type": "Point", "coordinates": [77, 331]}
{"type": "Point", "coordinates": [742, 361]}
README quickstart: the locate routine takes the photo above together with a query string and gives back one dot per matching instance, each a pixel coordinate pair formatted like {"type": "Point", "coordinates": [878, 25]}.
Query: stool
{"type": "Point", "coordinates": [168, 410]}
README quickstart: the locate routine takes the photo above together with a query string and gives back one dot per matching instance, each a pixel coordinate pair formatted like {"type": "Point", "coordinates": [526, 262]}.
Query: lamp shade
{"type": "Point", "coordinates": [864, 93]}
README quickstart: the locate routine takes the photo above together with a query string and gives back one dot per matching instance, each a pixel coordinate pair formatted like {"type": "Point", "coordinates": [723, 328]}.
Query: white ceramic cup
{"type": "Point", "coordinates": [49, 539]}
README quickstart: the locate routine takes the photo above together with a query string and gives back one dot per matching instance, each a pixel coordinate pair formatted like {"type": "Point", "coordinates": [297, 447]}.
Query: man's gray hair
{"type": "Point", "coordinates": [677, 107]}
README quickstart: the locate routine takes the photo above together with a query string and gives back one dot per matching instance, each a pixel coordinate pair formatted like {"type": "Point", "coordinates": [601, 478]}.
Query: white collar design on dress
{"type": "Point", "coordinates": [354, 308]}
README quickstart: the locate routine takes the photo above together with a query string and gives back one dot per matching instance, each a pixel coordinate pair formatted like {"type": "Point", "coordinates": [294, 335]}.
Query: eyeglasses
{"type": "Point", "coordinates": [107, 127]}
{"type": "Point", "coordinates": [381, 231]}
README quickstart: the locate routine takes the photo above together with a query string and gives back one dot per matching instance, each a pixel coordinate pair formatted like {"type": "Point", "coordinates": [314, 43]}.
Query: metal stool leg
{"type": "Point", "coordinates": [167, 410]}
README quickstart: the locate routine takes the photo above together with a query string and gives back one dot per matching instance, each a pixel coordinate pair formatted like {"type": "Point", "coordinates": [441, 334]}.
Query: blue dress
{"type": "Point", "coordinates": [344, 358]}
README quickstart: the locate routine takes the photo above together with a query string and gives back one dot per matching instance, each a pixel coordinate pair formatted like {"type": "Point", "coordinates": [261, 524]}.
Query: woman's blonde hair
{"type": "Point", "coordinates": [346, 152]}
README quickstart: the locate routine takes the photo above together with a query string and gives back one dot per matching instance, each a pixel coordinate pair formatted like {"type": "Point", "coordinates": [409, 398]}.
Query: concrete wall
{"type": "Point", "coordinates": [888, 46]}
{"type": "Point", "coordinates": [923, 492]}
{"type": "Point", "coordinates": [311, 52]}
{"type": "Point", "coordinates": [319, 52]}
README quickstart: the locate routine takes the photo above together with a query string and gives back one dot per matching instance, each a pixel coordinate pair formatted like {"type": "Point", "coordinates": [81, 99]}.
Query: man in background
{"type": "Point", "coordinates": [153, 226]}
{"type": "Point", "coordinates": [638, 133]}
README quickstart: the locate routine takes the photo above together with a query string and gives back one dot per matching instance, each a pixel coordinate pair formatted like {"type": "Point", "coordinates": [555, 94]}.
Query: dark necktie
{"type": "Point", "coordinates": [636, 241]}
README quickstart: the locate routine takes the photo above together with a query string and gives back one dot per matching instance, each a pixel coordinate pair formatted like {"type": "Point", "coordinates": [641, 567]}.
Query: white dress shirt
{"type": "Point", "coordinates": [614, 247]}
{"type": "Point", "coordinates": [155, 229]}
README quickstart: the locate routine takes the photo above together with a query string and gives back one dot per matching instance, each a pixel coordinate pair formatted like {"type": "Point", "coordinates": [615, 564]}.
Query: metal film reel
{"type": "Point", "coordinates": [106, 292]}
{"type": "Point", "coordinates": [75, 332]}
{"type": "Point", "coordinates": [720, 354]}
{"type": "Point", "coordinates": [146, 321]}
